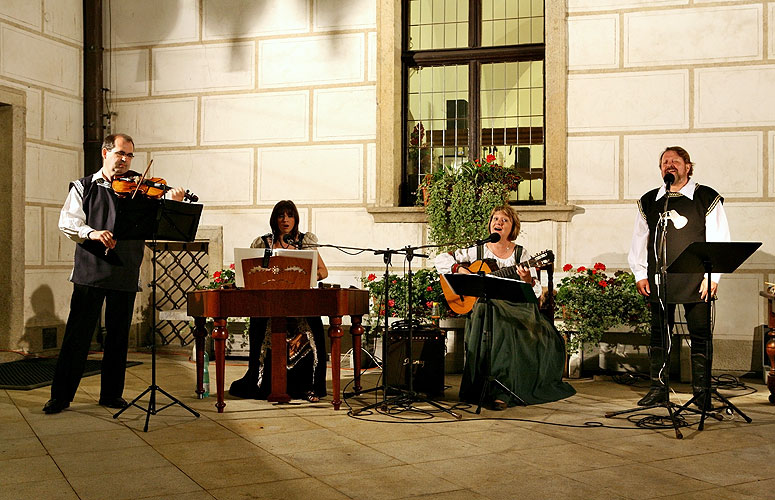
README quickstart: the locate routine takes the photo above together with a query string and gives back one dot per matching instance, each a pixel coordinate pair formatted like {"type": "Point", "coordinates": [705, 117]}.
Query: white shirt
{"type": "Point", "coordinates": [716, 229]}
{"type": "Point", "coordinates": [72, 218]}
{"type": "Point", "coordinates": [445, 261]}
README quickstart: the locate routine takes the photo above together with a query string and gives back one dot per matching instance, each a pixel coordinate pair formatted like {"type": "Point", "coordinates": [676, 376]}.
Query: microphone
{"type": "Point", "coordinates": [669, 179]}
{"type": "Point", "coordinates": [493, 238]}
{"type": "Point", "coordinates": [288, 239]}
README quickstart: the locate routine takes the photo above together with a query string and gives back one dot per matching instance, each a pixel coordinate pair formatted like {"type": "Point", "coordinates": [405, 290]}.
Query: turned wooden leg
{"type": "Point", "coordinates": [200, 334]}
{"type": "Point", "coordinates": [771, 375]}
{"type": "Point", "coordinates": [356, 330]}
{"type": "Point", "coordinates": [220, 334]}
{"type": "Point", "coordinates": [335, 333]}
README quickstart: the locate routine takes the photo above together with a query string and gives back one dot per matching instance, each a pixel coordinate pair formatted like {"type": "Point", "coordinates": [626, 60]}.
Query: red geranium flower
{"type": "Point", "coordinates": [231, 266]}
{"type": "Point", "coordinates": [217, 280]}
{"type": "Point", "coordinates": [594, 271]}
{"type": "Point", "coordinates": [490, 158]}
{"type": "Point", "coordinates": [602, 283]}
{"type": "Point", "coordinates": [394, 282]}
{"type": "Point", "coordinates": [430, 288]}
{"type": "Point", "coordinates": [217, 274]}
{"type": "Point", "coordinates": [567, 267]}
{"type": "Point", "coordinates": [391, 302]}
{"type": "Point", "coordinates": [429, 304]}
{"type": "Point", "coordinates": [371, 277]}
{"type": "Point", "coordinates": [581, 269]}
{"type": "Point", "coordinates": [600, 266]}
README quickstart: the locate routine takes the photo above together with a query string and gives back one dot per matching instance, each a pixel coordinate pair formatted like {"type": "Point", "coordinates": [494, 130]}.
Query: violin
{"type": "Point", "coordinates": [153, 187]}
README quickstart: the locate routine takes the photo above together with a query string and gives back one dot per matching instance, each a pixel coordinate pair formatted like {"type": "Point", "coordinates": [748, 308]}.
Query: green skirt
{"type": "Point", "coordinates": [527, 356]}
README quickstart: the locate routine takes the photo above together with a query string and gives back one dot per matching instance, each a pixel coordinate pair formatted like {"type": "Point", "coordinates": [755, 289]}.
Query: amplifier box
{"type": "Point", "coordinates": [428, 350]}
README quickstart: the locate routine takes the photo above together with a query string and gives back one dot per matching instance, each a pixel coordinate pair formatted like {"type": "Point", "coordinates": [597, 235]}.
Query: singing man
{"type": "Point", "coordinates": [695, 213]}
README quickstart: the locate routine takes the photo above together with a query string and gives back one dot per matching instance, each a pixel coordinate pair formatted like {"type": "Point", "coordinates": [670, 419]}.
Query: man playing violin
{"type": "Point", "coordinates": [88, 217]}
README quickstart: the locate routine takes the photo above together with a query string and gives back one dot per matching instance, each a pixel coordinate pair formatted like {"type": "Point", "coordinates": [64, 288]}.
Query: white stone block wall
{"type": "Point", "coordinates": [644, 75]}
{"type": "Point", "coordinates": [41, 54]}
{"type": "Point", "coordinates": [247, 103]}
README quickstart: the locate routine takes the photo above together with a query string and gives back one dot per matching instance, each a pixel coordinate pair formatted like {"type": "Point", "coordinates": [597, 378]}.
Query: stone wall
{"type": "Point", "coordinates": [40, 55]}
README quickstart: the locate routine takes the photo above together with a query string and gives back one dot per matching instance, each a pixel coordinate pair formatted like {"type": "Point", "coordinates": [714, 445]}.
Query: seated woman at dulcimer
{"type": "Point", "coordinates": [527, 353]}
{"type": "Point", "coordinates": [306, 339]}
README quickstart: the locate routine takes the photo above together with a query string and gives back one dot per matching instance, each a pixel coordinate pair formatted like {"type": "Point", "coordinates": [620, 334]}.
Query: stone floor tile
{"type": "Point", "coordinates": [526, 486]}
{"type": "Point", "coordinates": [451, 495]}
{"type": "Point", "coordinates": [293, 489]}
{"type": "Point", "coordinates": [335, 460]}
{"type": "Point", "coordinates": [717, 469]}
{"type": "Point", "coordinates": [98, 440]}
{"type": "Point", "coordinates": [209, 450]}
{"type": "Point", "coordinates": [186, 431]}
{"type": "Point", "coordinates": [567, 457]}
{"type": "Point", "coordinates": [638, 481]}
{"type": "Point", "coordinates": [160, 481]}
{"type": "Point", "coordinates": [21, 447]}
{"type": "Point", "coordinates": [255, 469]}
{"type": "Point", "coordinates": [260, 426]}
{"type": "Point", "coordinates": [28, 469]}
{"type": "Point", "coordinates": [474, 471]}
{"type": "Point", "coordinates": [388, 483]}
{"type": "Point", "coordinates": [428, 449]}
{"type": "Point", "coordinates": [314, 439]}
{"type": "Point", "coordinates": [94, 463]}
{"type": "Point", "coordinates": [49, 489]}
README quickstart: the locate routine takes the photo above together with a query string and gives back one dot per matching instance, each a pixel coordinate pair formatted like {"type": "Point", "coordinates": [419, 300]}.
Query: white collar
{"type": "Point", "coordinates": [687, 190]}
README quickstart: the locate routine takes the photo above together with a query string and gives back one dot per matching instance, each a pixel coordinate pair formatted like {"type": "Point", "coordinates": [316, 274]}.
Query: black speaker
{"type": "Point", "coordinates": [428, 349]}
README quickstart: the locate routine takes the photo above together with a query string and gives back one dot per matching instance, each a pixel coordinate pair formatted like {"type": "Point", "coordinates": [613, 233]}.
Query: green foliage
{"type": "Point", "coordinates": [426, 292]}
{"type": "Point", "coordinates": [593, 302]}
{"type": "Point", "coordinates": [458, 201]}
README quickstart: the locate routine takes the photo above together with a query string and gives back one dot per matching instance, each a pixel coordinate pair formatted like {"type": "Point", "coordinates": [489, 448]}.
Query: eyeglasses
{"type": "Point", "coordinates": [125, 155]}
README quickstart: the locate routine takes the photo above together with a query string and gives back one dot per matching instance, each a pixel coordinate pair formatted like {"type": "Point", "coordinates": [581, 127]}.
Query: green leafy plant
{"type": "Point", "coordinates": [592, 302]}
{"type": "Point", "coordinates": [458, 201]}
{"type": "Point", "coordinates": [426, 293]}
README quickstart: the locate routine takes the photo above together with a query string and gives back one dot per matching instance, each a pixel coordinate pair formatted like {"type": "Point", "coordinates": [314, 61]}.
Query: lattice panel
{"type": "Point", "coordinates": [180, 267]}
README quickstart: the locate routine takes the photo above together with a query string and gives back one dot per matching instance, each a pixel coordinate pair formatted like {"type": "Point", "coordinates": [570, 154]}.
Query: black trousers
{"type": "Point", "coordinates": [696, 322]}
{"type": "Point", "coordinates": [85, 308]}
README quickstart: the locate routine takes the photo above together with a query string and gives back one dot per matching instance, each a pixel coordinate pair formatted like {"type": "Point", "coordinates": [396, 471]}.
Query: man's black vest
{"type": "Point", "coordinates": [92, 267]}
{"type": "Point", "coordinates": [681, 288]}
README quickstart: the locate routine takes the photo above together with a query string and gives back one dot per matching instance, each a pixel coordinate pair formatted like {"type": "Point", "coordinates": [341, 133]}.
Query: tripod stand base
{"type": "Point", "coordinates": [713, 411]}
{"type": "Point", "coordinates": [403, 398]}
{"type": "Point", "coordinates": [672, 410]}
{"type": "Point", "coordinates": [151, 410]}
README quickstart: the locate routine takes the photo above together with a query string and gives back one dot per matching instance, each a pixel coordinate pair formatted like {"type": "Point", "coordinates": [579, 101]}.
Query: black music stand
{"type": "Point", "coordinates": [488, 288]}
{"type": "Point", "coordinates": [708, 257]}
{"type": "Point", "coordinates": [149, 219]}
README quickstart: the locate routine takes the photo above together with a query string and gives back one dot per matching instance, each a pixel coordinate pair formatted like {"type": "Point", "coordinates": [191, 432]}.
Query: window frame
{"type": "Point", "coordinates": [389, 152]}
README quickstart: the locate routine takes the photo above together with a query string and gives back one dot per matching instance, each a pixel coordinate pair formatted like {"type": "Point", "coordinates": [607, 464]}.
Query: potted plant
{"type": "Point", "coordinates": [426, 295]}
{"type": "Point", "coordinates": [593, 302]}
{"type": "Point", "coordinates": [458, 200]}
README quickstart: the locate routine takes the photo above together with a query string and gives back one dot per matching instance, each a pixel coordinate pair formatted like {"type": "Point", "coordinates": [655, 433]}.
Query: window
{"type": "Point", "coordinates": [473, 85]}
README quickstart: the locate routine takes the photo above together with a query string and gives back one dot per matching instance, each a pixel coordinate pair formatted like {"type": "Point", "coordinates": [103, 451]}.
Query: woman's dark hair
{"type": "Point", "coordinates": [284, 207]}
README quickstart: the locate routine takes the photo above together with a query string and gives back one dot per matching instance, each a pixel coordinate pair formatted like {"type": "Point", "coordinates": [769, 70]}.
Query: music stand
{"type": "Point", "coordinates": [150, 219]}
{"type": "Point", "coordinates": [708, 257]}
{"type": "Point", "coordinates": [489, 287]}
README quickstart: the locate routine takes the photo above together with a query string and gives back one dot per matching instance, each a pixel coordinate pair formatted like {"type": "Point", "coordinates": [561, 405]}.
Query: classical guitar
{"type": "Point", "coordinates": [462, 304]}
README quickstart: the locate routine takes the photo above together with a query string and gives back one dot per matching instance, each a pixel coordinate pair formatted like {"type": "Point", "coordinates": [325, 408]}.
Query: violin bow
{"type": "Point", "coordinates": [142, 178]}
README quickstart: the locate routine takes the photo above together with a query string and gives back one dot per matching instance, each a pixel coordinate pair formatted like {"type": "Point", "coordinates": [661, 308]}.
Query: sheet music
{"type": "Point", "coordinates": [258, 253]}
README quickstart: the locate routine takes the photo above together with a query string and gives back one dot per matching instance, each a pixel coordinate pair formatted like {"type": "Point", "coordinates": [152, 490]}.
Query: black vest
{"type": "Point", "coordinates": [681, 288]}
{"type": "Point", "coordinates": [92, 267]}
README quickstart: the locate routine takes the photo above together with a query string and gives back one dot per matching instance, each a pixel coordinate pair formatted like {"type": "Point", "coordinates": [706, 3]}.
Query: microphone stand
{"type": "Point", "coordinates": [405, 397]}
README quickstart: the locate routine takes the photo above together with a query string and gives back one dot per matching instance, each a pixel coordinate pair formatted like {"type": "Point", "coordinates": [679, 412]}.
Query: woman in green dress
{"type": "Point", "coordinates": [527, 353]}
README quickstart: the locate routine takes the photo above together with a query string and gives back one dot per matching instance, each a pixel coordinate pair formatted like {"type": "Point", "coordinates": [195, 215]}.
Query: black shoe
{"type": "Point", "coordinates": [656, 395]}
{"type": "Point", "coordinates": [55, 406]}
{"type": "Point", "coordinates": [113, 403]}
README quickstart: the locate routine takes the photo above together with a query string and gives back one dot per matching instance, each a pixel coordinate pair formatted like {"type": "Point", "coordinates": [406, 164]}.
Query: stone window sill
{"type": "Point", "coordinates": [527, 213]}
